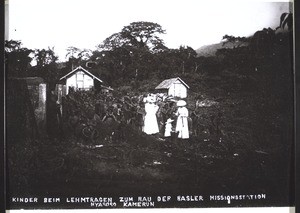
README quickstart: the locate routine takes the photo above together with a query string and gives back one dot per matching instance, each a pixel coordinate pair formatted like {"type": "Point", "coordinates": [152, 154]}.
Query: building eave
{"type": "Point", "coordinates": [173, 80]}
{"type": "Point", "coordinates": [84, 70]}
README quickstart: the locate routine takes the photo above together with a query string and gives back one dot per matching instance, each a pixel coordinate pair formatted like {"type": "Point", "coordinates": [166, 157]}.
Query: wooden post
{"type": "Point", "coordinates": [64, 90]}
{"type": "Point", "coordinates": [59, 92]}
{"type": "Point", "coordinates": [41, 110]}
{"type": "Point", "coordinates": [59, 89]}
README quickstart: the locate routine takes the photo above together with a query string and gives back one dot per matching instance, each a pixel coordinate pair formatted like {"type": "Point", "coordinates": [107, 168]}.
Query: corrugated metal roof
{"type": "Point", "coordinates": [82, 69]}
{"type": "Point", "coordinates": [168, 82]}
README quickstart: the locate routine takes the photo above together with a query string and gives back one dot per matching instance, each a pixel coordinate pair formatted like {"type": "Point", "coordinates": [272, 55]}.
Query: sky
{"type": "Point", "coordinates": [86, 23]}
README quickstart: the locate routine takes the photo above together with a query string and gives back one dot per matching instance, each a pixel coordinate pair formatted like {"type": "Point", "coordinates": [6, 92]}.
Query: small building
{"type": "Point", "coordinates": [80, 79]}
{"type": "Point", "coordinates": [175, 87]}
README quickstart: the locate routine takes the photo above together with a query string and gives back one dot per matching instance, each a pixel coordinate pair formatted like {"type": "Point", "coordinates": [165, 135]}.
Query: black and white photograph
{"type": "Point", "coordinates": [149, 104]}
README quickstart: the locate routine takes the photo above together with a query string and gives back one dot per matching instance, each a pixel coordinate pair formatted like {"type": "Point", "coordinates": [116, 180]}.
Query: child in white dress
{"type": "Point", "coordinates": [168, 128]}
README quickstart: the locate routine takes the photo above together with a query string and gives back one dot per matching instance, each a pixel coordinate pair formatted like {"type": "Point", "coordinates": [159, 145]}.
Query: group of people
{"type": "Point", "coordinates": [153, 114]}
{"type": "Point", "coordinates": [151, 124]}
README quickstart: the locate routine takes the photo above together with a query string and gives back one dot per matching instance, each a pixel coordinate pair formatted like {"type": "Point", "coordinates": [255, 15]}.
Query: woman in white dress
{"type": "Point", "coordinates": [182, 120]}
{"type": "Point", "coordinates": [150, 122]}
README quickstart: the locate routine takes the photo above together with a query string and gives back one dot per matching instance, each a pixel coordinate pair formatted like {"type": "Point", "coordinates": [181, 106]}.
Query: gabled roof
{"type": "Point", "coordinates": [168, 82]}
{"type": "Point", "coordinates": [80, 68]}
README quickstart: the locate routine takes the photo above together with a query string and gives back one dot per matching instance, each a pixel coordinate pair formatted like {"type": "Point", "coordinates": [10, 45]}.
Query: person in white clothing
{"type": "Point", "coordinates": [150, 122]}
{"type": "Point", "coordinates": [182, 120]}
{"type": "Point", "coordinates": [168, 128]}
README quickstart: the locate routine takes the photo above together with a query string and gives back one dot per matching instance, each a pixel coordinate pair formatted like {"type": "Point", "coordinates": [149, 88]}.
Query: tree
{"type": "Point", "coordinates": [187, 56]}
{"type": "Point", "coordinates": [235, 41]}
{"type": "Point", "coordinates": [12, 45]}
{"type": "Point", "coordinates": [46, 66]}
{"type": "Point", "coordinates": [140, 35]}
{"type": "Point", "coordinates": [286, 19]}
{"type": "Point", "coordinates": [262, 41]}
{"type": "Point", "coordinates": [45, 57]}
{"type": "Point", "coordinates": [130, 54]}
{"type": "Point", "coordinates": [17, 59]}
{"type": "Point", "coordinates": [77, 56]}
{"type": "Point", "coordinates": [111, 65]}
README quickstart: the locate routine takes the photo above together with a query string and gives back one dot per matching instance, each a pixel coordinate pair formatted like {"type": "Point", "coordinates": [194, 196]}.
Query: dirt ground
{"type": "Point", "coordinates": [240, 155]}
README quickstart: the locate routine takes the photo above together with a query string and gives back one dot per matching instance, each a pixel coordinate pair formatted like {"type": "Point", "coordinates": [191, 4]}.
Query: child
{"type": "Point", "coordinates": [168, 128]}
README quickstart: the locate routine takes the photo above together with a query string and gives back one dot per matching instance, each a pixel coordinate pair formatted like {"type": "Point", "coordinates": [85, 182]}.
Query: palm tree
{"type": "Point", "coordinates": [286, 19]}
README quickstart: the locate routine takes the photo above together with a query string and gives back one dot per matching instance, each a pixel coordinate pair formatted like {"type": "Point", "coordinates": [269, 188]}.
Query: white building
{"type": "Point", "coordinates": [80, 79]}
{"type": "Point", "coordinates": [175, 87]}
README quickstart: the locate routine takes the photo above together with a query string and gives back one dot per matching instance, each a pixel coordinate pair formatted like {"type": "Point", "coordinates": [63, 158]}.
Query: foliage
{"type": "Point", "coordinates": [12, 45]}
{"type": "Point", "coordinates": [286, 19]}
{"type": "Point", "coordinates": [137, 35]}
{"type": "Point", "coordinates": [17, 58]}
{"type": "Point", "coordinates": [236, 138]}
{"type": "Point", "coordinates": [45, 57]}
{"type": "Point", "coordinates": [77, 57]}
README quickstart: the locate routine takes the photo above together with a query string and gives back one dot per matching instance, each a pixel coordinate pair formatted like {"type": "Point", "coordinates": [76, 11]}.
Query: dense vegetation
{"type": "Point", "coordinates": [246, 140]}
